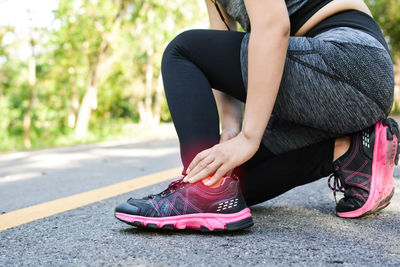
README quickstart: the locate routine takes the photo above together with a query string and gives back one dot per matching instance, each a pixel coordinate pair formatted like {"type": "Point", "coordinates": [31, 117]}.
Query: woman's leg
{"type": "Point", "coordinates": [339, 82]}
{"type": "Point", "coordinates": [193, 63]}
{"type": "Point", "coordinates": [327, 90]}
{"type": "Point", "coordinates": [265, 178]}
{"type": "Point", "coordinates": [198, 60]}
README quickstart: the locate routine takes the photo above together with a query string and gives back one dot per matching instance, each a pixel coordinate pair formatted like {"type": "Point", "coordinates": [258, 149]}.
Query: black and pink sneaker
{"type": "Point", "coordinates": [190, 206]}
{"type": "Point", "coordinates": [365, 172]}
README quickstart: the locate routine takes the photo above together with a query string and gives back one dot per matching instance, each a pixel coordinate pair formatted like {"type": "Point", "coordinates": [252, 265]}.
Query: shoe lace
{"type": "Point", "coordinates": [335, 185]}
{"type": "Point", "coordinates": [170, 189]}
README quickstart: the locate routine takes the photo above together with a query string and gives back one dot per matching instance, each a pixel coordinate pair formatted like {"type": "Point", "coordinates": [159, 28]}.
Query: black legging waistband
{"type": "Point", "coordinates": [354, 19]}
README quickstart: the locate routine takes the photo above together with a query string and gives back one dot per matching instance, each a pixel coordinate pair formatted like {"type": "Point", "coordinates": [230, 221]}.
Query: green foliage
{"type": "Point", "coordinates": [386, 13]}
{"type": "Point", "coordinates": [66, 57]}
{"type": "Point", "coordinates": [117, 33]}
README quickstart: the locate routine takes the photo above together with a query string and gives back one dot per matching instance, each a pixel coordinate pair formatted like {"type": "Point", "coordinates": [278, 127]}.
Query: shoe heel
{"type": "Point", "coordinates": [383, 204]}
{"type": "Point", "coordinates": [392, 137]}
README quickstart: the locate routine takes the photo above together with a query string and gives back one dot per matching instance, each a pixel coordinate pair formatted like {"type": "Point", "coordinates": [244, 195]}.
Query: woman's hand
{"type": "Point", "coordinates": [220, 159]}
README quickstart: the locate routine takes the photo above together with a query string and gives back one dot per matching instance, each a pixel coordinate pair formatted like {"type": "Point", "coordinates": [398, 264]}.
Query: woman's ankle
{"type": "Point", "coordinates": [342, 144]}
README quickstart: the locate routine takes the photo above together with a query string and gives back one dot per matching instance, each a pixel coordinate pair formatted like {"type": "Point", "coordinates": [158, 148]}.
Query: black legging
{"type": "Point", "coordinates": [190, 68]}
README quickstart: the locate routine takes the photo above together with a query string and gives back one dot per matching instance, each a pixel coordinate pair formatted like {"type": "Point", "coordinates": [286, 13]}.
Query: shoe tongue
{"type": "Point", "coordinates": [171, 187]}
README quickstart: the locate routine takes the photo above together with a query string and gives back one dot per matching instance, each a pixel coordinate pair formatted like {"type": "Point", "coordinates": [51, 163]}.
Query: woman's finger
{"type": "Point", "coordinates": [199, 167]}
{"type": "Point", "coordinates": [205, 172]}
{"type": "Point", "coordinates": [222, 170]}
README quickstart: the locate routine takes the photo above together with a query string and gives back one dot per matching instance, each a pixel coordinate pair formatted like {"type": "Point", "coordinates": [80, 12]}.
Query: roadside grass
{"type": "Point", "coordinates": [108, 131]}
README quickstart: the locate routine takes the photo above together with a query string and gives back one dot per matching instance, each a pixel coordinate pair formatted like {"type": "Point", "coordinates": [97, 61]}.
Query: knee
{"type": "Point", "coordinates": [177, 48]}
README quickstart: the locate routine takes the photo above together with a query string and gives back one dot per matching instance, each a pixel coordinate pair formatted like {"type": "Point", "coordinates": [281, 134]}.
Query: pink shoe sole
{"type": "Point", "coordinates": [199, 221]}
{"type": "Point", "coordinates": [382, 181]}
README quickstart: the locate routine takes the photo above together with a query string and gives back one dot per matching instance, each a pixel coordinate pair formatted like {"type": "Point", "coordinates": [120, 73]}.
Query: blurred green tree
{"type": "Point", "coordinates": [11, 89]}
{"type": "Point", "coordinates": [102, 43]}
{"type": "Point", "coordinates": [97, 65]}
{"type": "Point", "coordinates": [387, 14]}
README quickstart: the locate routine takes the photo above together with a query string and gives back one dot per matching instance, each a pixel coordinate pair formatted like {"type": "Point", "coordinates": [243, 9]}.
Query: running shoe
{"type": "Point", "coordinates": [190, 206]}
{"type": "Point", "coordinates": [365, 172]}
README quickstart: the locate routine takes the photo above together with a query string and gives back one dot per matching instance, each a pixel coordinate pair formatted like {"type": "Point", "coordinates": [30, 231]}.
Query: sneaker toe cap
{"type": "Point", "coordinates": [128, 209]}
{"type": "Point", "coordinates": [349, 204]}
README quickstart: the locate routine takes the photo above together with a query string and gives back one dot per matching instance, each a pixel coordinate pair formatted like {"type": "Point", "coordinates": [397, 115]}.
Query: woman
{"type": "Point", "coordinates": [317, 80]}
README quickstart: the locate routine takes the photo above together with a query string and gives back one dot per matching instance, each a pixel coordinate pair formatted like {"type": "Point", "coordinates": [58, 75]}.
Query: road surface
{"type": "Point", "coordinates": [298, 228]}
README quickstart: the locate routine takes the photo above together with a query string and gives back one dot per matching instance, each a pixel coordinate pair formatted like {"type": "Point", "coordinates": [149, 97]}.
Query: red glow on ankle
{"type": "Point", "coordinates": [217, 184]}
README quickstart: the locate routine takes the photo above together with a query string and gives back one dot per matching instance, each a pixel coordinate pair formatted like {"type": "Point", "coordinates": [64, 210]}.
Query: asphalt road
{"type": "Point", "coordinates": [298, 228]}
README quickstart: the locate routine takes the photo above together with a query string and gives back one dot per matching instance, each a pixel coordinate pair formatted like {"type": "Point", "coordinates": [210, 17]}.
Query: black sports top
{"type": "Point", "coordinates": [299, 12]}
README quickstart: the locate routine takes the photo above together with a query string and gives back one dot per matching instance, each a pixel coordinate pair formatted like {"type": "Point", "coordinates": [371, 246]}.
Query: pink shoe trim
{"type": "Point", "coordinates": [189, 221]}
{"type": "Point", "coordinates": [382, 180]}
